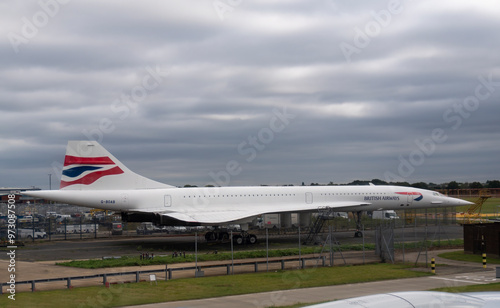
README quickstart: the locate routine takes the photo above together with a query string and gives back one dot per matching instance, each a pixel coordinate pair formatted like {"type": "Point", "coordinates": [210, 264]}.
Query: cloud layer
{"type": "Point", "coordinates": [408, 90]}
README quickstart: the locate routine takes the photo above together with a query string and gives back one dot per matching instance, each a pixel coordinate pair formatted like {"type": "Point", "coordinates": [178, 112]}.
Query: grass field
{"type": "Point", "coordinates": [492, 205]}
{"type": "Point", "coordinates": [492, 287]}
{"type": "Point", "coordinates": [161, 260]}
{"type": "Point", "coordinates": [461, 256]}
{"type": "Point", "coordinates": [184, 289]}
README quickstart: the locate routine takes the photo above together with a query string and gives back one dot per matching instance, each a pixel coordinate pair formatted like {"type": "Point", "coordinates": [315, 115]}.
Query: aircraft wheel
{"type": "Point", "coordinates": [252, 239]}
{"type": "Point", "coordinates": [210, 236]}
{"type": "Point", "coordinates": [238, 239]}
{"type": "Point", "coordinates": [223, 236]}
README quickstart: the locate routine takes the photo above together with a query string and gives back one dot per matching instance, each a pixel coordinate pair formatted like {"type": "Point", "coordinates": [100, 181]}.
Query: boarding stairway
{"type": "Point", "coordinates": [473, 213]}
{"type": "Point", "coordinates": [316, 226]}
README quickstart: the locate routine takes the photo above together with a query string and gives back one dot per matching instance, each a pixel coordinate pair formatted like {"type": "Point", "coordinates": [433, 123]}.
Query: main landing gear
{"type": "Point", "coordinates": [358, 233]}
{"type": "Point", "coordinates": [244, 237]}
{"type": "Point", "coordinates": [239, 238]}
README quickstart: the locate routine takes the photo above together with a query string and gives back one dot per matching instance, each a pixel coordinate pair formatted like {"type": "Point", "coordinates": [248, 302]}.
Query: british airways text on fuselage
{"type": "Point", "coordinates": [381, 198]}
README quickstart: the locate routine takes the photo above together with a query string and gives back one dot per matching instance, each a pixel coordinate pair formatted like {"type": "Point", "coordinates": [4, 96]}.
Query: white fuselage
{"type": "Point", "coordinates": [262, 199]}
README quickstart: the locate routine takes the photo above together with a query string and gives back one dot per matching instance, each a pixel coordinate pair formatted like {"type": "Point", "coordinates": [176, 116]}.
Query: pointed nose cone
{"type": "Point", "coordinates": [458, 202]}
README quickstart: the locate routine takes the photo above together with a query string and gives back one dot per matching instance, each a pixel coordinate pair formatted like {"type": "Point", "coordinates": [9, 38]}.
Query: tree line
{"type": "Point", "coordinates": [431, 186]}
{"type": "Point", "coordinates": [423, 185]}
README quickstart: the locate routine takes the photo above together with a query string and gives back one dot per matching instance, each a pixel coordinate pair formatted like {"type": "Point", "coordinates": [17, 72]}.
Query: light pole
{"type": "Point", "coordinates": [50, 181]}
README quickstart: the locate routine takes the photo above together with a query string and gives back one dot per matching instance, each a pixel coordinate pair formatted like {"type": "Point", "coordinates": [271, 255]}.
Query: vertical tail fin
{"type": "Point", "coordinates": [89, 166]}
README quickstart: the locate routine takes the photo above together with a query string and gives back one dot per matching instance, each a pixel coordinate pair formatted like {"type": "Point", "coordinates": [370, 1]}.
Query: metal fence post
{"type": "Point", "coordinates": [33, 226]}
{"type": "Point", "coordinates": [50, 231]}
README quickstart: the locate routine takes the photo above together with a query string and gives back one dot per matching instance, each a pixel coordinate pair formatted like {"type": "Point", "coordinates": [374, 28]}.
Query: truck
{"type": "Point", "coordinates": [28, 219]}
{"type": "Point", "coordinates": [61, 218]}
{"type": "Point", "coordinates": [28, 233]}
{"type": "Point", "coordinates": [85, 228]}
{"type": "Point", "coordinates": [50, 214]}
{"type": "Point", "coordinates": [340, 215]}
{"type": "Point", "coordinates": [271, 221]}
{"type": "Point", "coordinates": [117, 228]}
{"type": "Point", "coordinates": [387, 214]}
{"type": "Point", "coordinates": [145, 228]}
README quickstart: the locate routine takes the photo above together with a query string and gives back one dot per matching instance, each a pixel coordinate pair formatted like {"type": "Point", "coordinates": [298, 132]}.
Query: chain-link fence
{"type": "Point", "coordinates": [409, 231]}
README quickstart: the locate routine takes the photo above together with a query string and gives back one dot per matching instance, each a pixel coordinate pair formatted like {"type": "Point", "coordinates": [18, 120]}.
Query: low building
{"type": "Point", "coordinates": [482, 238]}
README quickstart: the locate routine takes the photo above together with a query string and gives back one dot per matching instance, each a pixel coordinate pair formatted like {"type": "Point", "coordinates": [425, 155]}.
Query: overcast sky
{"type": "Point", "coordinates": [241, 92]}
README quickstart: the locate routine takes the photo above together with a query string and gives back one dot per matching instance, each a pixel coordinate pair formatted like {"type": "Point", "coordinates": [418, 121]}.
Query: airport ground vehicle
{"type": "Point", "coordinates": [85, 228]}
{"type": "Point", "coordinates": [117, 228]}
{"type": "Point", "coordinates": [387, 214]}
{"type": "Point", "coordinates": [27, 219]}
{"type": "Point", "coordinates": [340, 215]}
{"type": "Point", "coordinates": [28, 233]}
{"type": "Point", "coordinates": [146, 228]}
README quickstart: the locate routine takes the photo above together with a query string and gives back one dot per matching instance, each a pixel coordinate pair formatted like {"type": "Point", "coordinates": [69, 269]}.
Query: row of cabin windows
{"type": "Point", "coordinates": [284, 195]}
{"type": "Point", "coordinates": [235, 196]}
{"type": "Point", "coordinates": [352, 194]}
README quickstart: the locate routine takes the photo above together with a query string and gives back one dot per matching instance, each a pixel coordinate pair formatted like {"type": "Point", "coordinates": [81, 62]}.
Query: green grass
{"type": "Point", "coordinates": [490, 206]}
{"type": "Point", "coordinates": [454, 243]}
{"type": "Point", "coordinates": [472, 288]}
{"type": "Point", "coordinates": [136, 261]}
{"type": "Point", "coordinates": [158, 260]}
{"type": "Point", "coordinates": [185, 289]}
{"type": "Point", "coordinates": [461, 256]}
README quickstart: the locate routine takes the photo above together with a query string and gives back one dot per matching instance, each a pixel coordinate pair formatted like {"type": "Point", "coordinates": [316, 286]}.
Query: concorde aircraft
{"type": "Point", "coordinates": [92, 177]}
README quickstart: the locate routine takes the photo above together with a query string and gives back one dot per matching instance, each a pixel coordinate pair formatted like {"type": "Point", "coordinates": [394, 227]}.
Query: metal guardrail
{"type": "Point", "coordinates": [69, 279]}
{"type": "Point", "coordinates": [168, 272]}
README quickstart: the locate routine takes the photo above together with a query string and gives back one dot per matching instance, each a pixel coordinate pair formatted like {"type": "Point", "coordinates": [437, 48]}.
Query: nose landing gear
{"type": "Point", "coordinates": [358, 224]}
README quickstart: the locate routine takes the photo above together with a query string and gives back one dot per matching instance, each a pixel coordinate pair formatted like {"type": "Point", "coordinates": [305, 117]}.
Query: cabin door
{"type": "Point", "coordinates": [309, 198]}
{"type": "Point", "coordinates": [409, 199]}
{"type": "Point", "coordinates": [168, 201]}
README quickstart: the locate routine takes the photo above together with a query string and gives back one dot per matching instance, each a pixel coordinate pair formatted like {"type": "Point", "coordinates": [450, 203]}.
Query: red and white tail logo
{"type": "Point", "coordinates": [87, 170]}
{"type": "Point", "coordinates": [89, 166]}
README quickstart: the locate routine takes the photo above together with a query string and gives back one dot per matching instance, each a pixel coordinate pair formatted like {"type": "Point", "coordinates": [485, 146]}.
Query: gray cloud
{"type": "Point", "coordinates": [353, 119]}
